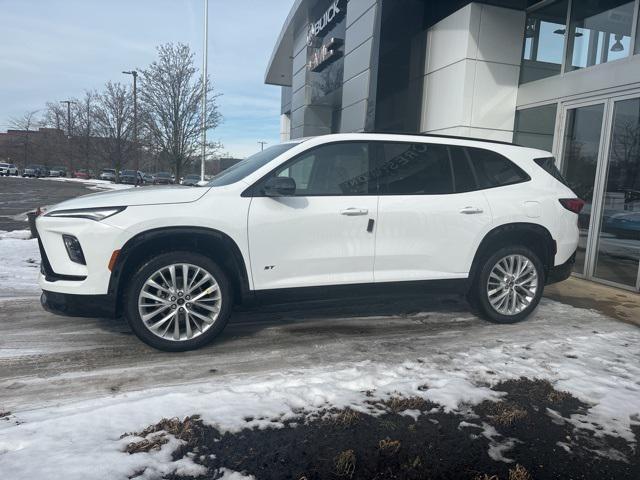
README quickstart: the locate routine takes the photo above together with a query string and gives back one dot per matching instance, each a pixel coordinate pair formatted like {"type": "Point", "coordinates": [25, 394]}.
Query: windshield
{"type": "Point", "coordinates": [129, 172]}
{"type": "Point", "coordinates": [162, 174]}
{"type": "Point", "coordinates": [249, 165]}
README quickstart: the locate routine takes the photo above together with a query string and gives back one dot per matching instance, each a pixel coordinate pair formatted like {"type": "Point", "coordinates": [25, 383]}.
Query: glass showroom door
{"type": "Point", "coordinates": [581, 149]}
{"type": "Point", "coordinates": [617, 245]}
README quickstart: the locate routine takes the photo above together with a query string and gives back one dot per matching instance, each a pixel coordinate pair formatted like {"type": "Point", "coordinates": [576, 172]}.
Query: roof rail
{"type": "Point", "coordinates": [455, 137]}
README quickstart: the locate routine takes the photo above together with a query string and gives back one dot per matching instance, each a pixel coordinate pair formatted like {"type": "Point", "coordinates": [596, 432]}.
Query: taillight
{"type": "Point", "coordinates": [574, 205]}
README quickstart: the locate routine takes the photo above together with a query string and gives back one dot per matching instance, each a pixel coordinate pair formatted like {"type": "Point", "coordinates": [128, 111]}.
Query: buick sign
{"type": "Point", "coordinates": [316, 28]}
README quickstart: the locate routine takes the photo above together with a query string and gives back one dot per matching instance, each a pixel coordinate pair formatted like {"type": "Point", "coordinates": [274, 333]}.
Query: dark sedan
{"type": "Point", "coordinates": [163, 178]}
{"type": "Point", "coordinates": [131, 177]}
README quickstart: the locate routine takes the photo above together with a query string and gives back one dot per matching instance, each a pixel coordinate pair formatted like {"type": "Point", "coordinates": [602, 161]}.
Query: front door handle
{"type": "Point", "coordinates": [352, 212]}
{"type": "Point", "coordinates": [471, 210]}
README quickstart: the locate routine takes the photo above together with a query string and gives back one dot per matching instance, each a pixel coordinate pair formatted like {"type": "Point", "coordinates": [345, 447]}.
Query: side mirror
{"type": "Point", "coordinates": [279, 187]}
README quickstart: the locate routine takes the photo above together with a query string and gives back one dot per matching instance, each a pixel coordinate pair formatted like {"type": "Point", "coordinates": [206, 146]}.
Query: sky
{"type": "Point", "coordinates": [51, 50]}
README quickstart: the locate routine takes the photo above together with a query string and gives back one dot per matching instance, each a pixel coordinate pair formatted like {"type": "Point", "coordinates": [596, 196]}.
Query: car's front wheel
{"type": "Point", "coordinates": [509, 285]}
{"type": "Point", "coordinates": [178, 301]}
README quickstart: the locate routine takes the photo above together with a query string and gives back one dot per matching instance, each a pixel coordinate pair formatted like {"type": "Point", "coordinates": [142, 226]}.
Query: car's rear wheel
{"type": "Point", "coordinates": [509, 285]}
{"type": "Point", "coordinates": [178, 301]}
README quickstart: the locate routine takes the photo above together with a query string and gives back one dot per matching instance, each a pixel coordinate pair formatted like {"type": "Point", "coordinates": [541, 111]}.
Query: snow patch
{"type": "Point", "coordinates": [19, 263]}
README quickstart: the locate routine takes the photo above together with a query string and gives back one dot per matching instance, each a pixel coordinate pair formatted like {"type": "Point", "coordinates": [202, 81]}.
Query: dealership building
{"type": "Point", "coordinates": [561, 75]}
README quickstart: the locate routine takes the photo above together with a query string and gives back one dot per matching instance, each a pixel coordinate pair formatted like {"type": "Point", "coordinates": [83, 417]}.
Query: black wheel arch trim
{"type": "Point", "coordinates": [550, 244]}
{"type": "Point", "coordinates": [138, 240]}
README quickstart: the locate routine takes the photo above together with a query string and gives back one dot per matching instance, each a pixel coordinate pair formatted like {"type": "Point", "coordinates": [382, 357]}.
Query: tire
{"type": "Point", "coordinates": [520, 301]}
{"type": "Point", "coordinates": [193, 331]}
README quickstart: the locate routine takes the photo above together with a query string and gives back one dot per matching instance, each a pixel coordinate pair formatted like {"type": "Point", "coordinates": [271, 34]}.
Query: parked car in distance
{"type": "Point", "coordinates": [32, 171]}
{"type": "Point", "coordinates": [623, 225]}
{"type": "Point", "coordinates": [82, 174]}
{"type": "Point", "coordinates": [191, 180]}
{"type": "Point", "coordinates": [58, 171]}
{"type": "Point", "coordinates": [163, 178]}
{"type": "Point", "coordinates": [8, 169]}
{"type": "Point", "coordinates": [148, 178]}
{"type": "Point", "coordinates": [321, 215]}
{"type": "Point", "coordinates": [108, 174]}
{"type": "Point", "coordinates": [131, 177]}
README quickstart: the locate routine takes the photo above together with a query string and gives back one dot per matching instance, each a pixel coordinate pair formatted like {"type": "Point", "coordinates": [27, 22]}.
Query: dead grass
{"type": "Point", "coordinates": [346, 418]}
{"type": "Point", "coordinates": [519, 473]}
{"type": "Point", "coordinates": [486, 476]}
{"type": "Point", "coordinates": [506, 413]}
{"type": "Point", "coordinates": [181, 429]}
{"type": "Point", "coordinates": [4, 414]}
{"type": "Point", "coordinates": [345, 463]}
{"type": "Point", "coordinates": [399, 404]}
{"type": "Point", "coordinates": [558, 396]}
{"type": "Point", "coordinates": [147, 445]}
{"type": "Point", "coordinates": [389, 447]}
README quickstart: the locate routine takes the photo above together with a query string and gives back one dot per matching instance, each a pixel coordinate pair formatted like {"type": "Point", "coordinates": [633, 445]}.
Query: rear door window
{"type": "Point", "coordinates": [405, 168]}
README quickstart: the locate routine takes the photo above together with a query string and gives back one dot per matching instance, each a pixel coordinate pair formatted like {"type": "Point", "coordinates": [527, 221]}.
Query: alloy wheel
{"type": "Point", "coordinates": [512, 284]}
{"type": "Point", "coordinates": [179, 302]}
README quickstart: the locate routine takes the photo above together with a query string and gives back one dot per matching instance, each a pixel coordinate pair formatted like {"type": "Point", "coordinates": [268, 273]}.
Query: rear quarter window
{"type": "Point", "coordinates": [548, 164]}
{"type": "Point", "coordinates": [494, 170]}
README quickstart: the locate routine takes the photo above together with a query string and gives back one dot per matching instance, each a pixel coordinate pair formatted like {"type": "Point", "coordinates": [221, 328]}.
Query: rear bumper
{"type": "Point", "coordinates": [92, 306]}
{"type": "Point", "coordinates": [561, 272]}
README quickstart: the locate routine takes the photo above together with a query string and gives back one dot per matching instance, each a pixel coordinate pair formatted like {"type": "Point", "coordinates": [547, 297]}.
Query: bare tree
{"type": "Point", "coordinates": [84, 113]}
{"type": "Point", "coordinates": [170, 95]}
{"type": "Point", "coordinates": [113, 121]}
{"type": "Point", "coordinates": [25, 124]}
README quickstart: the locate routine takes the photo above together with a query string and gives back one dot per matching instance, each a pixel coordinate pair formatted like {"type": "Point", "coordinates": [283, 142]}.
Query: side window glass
{"type": "Point", "coordinates": [413, 169]}
{"type": "Point", "coordinates": [463, 175]}
{"type": "Point", "coordinates": [300, 171]}
{"type": "Point", "coordinates": [335, 169]}
{"type": "Point", "coordinates": [494, 170]}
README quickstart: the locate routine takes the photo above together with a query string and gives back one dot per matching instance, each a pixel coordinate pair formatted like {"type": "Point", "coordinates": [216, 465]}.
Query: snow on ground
{"type": "Point", "coordinates": [93, 184]}
{"type": "Point", "coordinates": [601, 368]}
{"type": "Point", "coordinates": [19, 263]}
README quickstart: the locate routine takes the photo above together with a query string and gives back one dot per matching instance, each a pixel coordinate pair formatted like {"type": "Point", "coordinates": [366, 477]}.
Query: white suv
{"type": "Point", "coordinates": [8, 169]}
{"type": "Point", "coordinates": [493, 220]}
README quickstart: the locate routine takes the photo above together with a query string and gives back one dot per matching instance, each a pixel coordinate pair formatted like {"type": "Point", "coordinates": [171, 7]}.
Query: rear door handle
{"type": "Point", "coordinates": [352, 212]}
{"type": "Point", "coordinates": [471, 210]}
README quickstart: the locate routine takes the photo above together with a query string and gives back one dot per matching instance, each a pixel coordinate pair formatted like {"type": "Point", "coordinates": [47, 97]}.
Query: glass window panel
{"type": "Point", "coordinates": [494, 170]}
{"type": "Point", "coordinates": [335, 169]}
{"type": "Point", "coordinates": [463, 174]}
{"type": "Point", "coordinates": [535, 127]}
{"type": "Point", "coordinates": [544, 42]}
{"type": "Point", "coordinates": [600, 31]}
{"type": "Point", "coordinates": [580, 160]}
{"type": "Point", "coordinates": [414, 169]}
{"type": "Point", "coordinates": [619, 237]}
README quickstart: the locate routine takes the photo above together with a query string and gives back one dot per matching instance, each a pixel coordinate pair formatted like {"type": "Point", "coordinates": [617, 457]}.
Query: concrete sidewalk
{"type": "Point", "coordinates": [614, 302]}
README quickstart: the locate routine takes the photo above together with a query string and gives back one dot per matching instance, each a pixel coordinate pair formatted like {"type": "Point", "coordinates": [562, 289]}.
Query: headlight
{"type": "Point", "coordinates": [96, 214]}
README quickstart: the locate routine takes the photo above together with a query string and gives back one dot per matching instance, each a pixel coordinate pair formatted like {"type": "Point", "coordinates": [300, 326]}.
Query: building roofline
{"type": "Point", "coordinates": [280, 66]}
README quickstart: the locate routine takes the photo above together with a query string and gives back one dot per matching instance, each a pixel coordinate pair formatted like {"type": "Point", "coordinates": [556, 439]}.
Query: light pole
{"type": "Point", "coordinates": [204, 88]}
{"type": "Point", "coordinates": [136, 157]}
{"type": "Point", "coordinates": [262, 143]}
{"type": "Point", "coordinates": [69, 102]}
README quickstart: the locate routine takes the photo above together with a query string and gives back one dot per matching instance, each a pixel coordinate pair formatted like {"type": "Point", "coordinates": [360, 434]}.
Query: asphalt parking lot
{"type": "Point", "coordinates": [21, 195]}
{"type": "Point", "coordinates": [47, 359]}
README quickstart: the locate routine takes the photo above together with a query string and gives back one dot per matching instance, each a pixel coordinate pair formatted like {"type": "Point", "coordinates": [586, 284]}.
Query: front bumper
{"type": "Point", "coordinates": [91, 306]}
{"type": "Point", "coordinates": [559, 273]}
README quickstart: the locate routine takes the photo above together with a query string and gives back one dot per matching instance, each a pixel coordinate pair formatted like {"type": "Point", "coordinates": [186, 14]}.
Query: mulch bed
{"type": "Point", "coordinates": [352, 445]}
